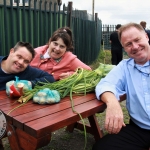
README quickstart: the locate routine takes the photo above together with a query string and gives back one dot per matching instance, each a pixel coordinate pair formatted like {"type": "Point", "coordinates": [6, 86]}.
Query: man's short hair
{"type": "Point", "coordinates": [118, 26]}
{"type": "Point", "coordinates": [143, 24]}
{"type": "Point", "coordinates": [27, 45]}
{"type": "Point", "coordinates": [127, 26]}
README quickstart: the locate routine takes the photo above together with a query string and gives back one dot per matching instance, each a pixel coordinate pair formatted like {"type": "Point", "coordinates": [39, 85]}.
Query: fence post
{"type": "Point", "coordinates": [35, 23]}
{"type": "Point", "coordinates": [12, 25]}
{"type": "Point", "coordinates": [5, 25]}
{"type": "Point", "coordinates": [69, 14]}
{"type": "Point", "coordinates": [96, 16]}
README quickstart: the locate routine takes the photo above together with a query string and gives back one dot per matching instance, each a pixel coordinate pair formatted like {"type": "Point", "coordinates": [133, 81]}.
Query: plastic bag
{"type": "Point", "coordinates": [46, 96]}
{"type": "Point", "coordinates": [17, 88]}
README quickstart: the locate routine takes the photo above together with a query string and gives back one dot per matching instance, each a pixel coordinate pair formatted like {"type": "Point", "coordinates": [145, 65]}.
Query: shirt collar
{"type": "Point", "coordinates": [46, 55]}
{"type": "Point", "coordinates": [132, 63]}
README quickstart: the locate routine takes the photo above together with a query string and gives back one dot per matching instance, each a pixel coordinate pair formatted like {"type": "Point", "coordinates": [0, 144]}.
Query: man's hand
{"type": "Point", "coordinates": [114, 115]}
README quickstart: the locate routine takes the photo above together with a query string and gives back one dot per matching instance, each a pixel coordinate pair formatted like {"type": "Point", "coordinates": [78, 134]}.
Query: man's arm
{"type": "Point", "coordinates": [41, 76]}
{"type": "Point", "coordinates": [109, 90]}
{"type": "Point", "coordinates": [36, 75]}
{"type": "Point", "coordinates": [114, 116]}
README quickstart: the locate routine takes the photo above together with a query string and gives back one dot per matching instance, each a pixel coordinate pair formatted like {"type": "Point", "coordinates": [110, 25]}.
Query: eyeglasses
{"type": "Point", "coordinates": [144, 73]}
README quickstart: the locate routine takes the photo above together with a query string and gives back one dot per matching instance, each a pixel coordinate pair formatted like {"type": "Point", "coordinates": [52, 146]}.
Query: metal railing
{"type": "Point", "coordinates": [36, 23]}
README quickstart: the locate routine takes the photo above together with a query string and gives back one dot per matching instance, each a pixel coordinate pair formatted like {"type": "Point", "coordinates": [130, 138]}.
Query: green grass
{"type": "Point", "coordinates": [103, 57]}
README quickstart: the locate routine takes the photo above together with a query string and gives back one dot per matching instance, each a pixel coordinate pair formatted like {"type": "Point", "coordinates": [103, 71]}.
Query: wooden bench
{"type": "Point", "coordinates": [30, 126]}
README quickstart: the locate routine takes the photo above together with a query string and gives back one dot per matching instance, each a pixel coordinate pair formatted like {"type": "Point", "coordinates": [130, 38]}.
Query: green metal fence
{"type": "Point", "coordinates": [37, 23]}
{"type": "Point", "coordinates": [107, 30]}
{"type": "Point", "coordinates": [87, 37]}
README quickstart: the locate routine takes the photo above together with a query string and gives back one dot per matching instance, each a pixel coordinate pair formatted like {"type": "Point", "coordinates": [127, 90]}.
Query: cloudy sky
{"type": "Point", "coordinates": [116, 11]}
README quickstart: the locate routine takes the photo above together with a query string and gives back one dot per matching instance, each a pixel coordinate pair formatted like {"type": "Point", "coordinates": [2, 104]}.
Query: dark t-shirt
{"type": "Point", "coordinates": [115, 43]}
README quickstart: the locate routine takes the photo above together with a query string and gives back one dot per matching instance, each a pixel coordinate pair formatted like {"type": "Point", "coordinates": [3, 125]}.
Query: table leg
{"type": "Point", "coordinates": [94, 127]}
{"type": "Point", "coordinates": [71, 127]}
{"type": "Point", "coordinates": [12, 137]}
{"type": "Point", "coordinates": [20, 140]}
{"type": "Point", "coordinates": [96, 130]}
{"type": "Point", "coordinates": [1, 145]}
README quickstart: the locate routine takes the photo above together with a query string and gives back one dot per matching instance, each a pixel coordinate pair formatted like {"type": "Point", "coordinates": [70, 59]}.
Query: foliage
{"type": "Point", "coordinates": [103, 57]}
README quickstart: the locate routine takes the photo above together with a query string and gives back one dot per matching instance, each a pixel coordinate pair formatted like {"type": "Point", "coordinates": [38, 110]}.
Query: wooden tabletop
{"type": "Point", "coordinates": [39, 120]}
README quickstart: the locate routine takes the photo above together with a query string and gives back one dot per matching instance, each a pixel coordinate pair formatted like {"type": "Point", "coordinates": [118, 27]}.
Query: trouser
{"type": "Point", "coordinates": [116, 56]}
{"type": "Point", "coordinates": [130, 137]}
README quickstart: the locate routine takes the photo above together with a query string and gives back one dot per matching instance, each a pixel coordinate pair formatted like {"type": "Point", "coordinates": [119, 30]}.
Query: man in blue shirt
{"type": "Point", "coordinates": [131, 77]}
{"type": "Point", "coordinates": [17, 64]}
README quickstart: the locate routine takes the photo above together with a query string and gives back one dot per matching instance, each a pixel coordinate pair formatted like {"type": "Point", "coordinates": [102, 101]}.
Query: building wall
{"type": "Point", "coordinates": [32, 3]}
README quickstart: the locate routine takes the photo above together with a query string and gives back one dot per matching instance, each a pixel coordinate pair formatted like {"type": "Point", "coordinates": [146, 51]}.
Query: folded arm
{"type": "Point", "coordinates": [36, 75]}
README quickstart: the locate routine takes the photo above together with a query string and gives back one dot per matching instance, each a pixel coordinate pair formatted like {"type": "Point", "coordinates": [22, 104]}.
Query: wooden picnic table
{"type": "Point", "coordinates": [30, 126]}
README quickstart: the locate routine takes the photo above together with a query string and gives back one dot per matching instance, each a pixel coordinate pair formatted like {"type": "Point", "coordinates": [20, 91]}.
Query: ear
{"type": "Point", "coordinates": [11, 50]}
{"type": "Point", "coordinates": [49, 42]}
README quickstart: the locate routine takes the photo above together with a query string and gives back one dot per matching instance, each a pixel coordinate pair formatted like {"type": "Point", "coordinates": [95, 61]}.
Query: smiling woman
{"type": "Point", "coordinates": [56, 56]}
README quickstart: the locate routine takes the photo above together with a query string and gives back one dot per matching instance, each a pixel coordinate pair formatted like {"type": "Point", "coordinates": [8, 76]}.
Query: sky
{"type": "Point", "coordinates": [114, 12]}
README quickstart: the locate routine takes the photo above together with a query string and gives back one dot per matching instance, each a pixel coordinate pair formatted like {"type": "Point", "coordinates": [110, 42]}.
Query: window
{"type": "Point", "coordinates": [20, 2]}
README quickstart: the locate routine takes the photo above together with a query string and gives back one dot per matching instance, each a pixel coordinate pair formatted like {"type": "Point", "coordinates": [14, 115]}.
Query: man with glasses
{"type": "Point", "coordinates": [131, 77]}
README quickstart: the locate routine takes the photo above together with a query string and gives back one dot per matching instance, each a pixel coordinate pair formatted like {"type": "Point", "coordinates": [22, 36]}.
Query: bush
{"type": "Point", "coordinates": [103, 57]}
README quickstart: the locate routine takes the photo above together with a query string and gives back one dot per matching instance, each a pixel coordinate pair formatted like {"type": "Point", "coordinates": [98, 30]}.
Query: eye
{"type": "Point", "coordinates": [19, 56]}
{"type": "Point", "coordinates": [128, 45]}
{"type": "Point", "coordinates": [55, 43]}
{"type": "Point", "coordinates": [26, 62]}
{"type": "Point", "coordinates": [137, 40]}
{"type": "Point", "coordinates": [61, 46]}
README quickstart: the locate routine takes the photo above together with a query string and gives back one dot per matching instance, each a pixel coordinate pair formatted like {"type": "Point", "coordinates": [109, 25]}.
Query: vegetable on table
{"type": "Point", "coordinates": [16, 88]}
{"type": "Point", "coordinates": [81, 82]}
{"type": "Point", "coordinates": [46, 96]}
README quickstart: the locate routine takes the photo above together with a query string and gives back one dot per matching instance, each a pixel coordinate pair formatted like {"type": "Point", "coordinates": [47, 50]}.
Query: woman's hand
{"type": "Point", "coordinates": [64, 75]}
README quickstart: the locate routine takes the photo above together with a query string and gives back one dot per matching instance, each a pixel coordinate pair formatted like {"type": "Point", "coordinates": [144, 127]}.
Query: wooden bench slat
{"type": "Point", "coordinates": [21, 119]}
{"type": "Point", "coordinates": [62, 118]}
{"type": "Point", "coordinates": [32, 124]}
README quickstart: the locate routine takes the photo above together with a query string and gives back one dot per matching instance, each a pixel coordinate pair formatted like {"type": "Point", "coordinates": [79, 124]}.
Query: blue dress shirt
{"type": "Point", "coordinates": [134, 81]}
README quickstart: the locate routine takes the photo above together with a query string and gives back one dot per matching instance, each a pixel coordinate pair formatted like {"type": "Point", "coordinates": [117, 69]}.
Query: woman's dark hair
{"type": "Point", "coordinates": [65, 34]}
{"type": "Point", "coordinates": [28, 46]}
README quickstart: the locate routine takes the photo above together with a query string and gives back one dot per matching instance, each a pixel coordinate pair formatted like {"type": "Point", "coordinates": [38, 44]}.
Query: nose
{"type": "Point", "coordinates": [21, 61]}
{"type": "Point", "coordinates": [135, 45]}
{"type": "Point", "coordinates": [57, 47]}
